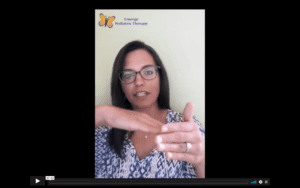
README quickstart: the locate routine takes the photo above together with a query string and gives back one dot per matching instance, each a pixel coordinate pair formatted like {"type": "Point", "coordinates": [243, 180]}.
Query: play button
{"type": "Point", "coordinates": [37, 180]}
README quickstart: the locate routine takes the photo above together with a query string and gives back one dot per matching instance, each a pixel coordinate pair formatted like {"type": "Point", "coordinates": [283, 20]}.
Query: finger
{"type": "Point", "coordinates": [188, 112]}
{"type": "Point", "coordinates": [179, 127]}
{"type": "Point", "coordinates": [190, 158]}
{"type": "Point", "coordinates": [173, 147]}
{"type": "Point", "coordinates": [178, 137]}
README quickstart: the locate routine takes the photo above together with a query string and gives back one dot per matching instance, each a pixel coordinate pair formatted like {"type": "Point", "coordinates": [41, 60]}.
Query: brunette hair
{"type": "Point", "coordinates": [116, 137]}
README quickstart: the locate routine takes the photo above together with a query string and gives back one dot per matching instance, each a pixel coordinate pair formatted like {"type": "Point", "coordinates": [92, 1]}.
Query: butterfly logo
{"type": "Point", "coordinates": [106, 21]}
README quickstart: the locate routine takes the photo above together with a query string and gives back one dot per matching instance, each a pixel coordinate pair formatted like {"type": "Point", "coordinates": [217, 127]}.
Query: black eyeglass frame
{"type": "Point", "coordinates": [135, 73]}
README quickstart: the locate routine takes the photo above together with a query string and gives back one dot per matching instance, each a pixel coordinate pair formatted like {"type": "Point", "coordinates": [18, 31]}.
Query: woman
{"type": "Point", "coordinates": [139, 136]}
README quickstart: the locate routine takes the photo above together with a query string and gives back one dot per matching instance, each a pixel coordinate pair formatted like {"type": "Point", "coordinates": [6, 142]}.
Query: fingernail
{"type": "Point", "coordinates": [162, 146]}
{"type": "Point", "coordinates": [164, 129]}
{"type": "Point", "coordinates": [159, 139]}
{"type": "Point", "coordinates": [169, 155]}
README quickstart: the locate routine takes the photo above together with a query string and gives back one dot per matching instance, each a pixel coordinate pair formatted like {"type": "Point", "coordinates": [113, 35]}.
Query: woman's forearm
{"type": "Point", "coordinates": [99, 116]}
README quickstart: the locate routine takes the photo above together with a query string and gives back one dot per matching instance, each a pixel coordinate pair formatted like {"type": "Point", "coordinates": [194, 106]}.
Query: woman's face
{"type": "Point", "coordinates": [136, 60]}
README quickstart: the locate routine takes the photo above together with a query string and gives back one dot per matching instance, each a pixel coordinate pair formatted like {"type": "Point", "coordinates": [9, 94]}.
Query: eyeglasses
{"type": "Point", "coordinates": [148, 73]}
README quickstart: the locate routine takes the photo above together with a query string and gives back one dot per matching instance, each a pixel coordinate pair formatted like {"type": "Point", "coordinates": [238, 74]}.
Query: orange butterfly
{"type": "Point", "coordinates": [106, 21]}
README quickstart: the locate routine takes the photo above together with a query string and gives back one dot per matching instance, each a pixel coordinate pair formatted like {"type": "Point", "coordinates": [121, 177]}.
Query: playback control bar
{"type": "Point", "coordinates": [172, 182]}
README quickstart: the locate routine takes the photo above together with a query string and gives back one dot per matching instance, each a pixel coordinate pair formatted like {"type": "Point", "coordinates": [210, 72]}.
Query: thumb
{"type": "Point", "coordinates": [188, 112]}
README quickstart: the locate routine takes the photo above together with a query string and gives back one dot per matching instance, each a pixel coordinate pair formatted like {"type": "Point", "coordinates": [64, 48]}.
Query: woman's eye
{"type": "Point", "coordinates": [149, 72]}
{"type": "Point", "coordinates": [127, 75]}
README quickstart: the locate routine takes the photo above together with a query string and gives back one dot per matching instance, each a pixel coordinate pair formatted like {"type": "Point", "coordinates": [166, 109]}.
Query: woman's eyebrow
{"type": "Point", "coordinates": [141, 68]}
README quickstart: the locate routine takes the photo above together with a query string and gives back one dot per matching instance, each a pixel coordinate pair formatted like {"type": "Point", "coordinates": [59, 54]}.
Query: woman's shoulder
{"type": "Point", "coordinates": [173, 116]}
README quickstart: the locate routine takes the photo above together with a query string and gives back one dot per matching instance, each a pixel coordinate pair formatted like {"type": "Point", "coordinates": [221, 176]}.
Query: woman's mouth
{"type": "Point", "coordinates": [141, 94]}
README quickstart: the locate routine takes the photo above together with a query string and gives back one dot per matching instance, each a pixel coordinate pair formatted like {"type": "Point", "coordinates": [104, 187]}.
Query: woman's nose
{"type": "Point", "coordinates": [139, 80]}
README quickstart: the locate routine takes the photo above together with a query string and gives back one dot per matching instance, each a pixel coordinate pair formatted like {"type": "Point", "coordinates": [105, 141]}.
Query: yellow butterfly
{"type": "Point", "coordinates": [106, 21]}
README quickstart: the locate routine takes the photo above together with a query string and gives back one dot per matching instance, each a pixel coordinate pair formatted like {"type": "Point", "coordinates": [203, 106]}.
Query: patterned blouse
{"type": "Point", "coordinates": [155, 165]}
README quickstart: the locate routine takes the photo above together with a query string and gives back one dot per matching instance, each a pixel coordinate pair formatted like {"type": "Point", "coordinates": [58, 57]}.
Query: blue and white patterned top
{"type": "Point", "coordinates": [109, 165]}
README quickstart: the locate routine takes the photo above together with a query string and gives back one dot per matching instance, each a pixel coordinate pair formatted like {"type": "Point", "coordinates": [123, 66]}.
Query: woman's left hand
{"type": "Point", "coordinates": [174, 141]}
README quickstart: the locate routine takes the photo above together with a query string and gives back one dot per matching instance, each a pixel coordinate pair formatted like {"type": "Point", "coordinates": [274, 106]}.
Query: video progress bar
{"type": "Point", "coordinates": [207, 181]}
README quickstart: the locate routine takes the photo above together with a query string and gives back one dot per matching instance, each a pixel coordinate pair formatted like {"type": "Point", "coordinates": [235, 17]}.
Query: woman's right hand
{"type": "Point", "coordinates": [130, 120]}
